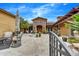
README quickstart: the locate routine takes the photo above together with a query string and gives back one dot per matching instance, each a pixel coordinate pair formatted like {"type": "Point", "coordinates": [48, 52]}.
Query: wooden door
{"type": "Point", "coordinates": [39, 28]}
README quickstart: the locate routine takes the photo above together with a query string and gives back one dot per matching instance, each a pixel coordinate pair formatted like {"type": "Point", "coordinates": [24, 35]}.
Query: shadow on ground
{"type": "Point", "coordinates": [7, 44]}
{"type": "Point", "coordinates": [18, 44]}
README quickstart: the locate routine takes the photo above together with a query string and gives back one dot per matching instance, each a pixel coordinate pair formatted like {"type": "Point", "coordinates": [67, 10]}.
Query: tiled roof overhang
{"type": "Point", "coordinates": [8, 13]}
{"type": "Point", "coordinates": [72, 12]}
{"type": "Point", "coordinates": [39, 18]}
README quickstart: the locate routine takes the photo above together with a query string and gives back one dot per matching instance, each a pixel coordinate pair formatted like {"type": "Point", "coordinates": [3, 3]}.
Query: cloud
{"type": "Point", "coordinates": [65, 4]}
{"type": "Point", "coordinates": [39, 11]}
{"type": "Point", "coordinates": [52, 4]}
{"type": "Point", "coordinates": [22, 9]}
{"type": "Point", "coordinates": [13, 10]}
{"type": "Point", "coordinates": [48, 5]}
{"type": "Point", "coordinates": [42, 10]}
{"type": "Point", "coordinates": [46, 10]}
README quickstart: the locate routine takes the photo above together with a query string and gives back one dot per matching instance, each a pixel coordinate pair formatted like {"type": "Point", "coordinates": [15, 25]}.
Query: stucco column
{"type": "Point", "coordinates": [34, 28]}
{"type": "Point", "coordinates": [43, 28]}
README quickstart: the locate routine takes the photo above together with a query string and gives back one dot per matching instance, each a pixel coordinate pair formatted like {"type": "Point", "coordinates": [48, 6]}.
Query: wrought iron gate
{"type": "Point", "coordinates": [57, 46]}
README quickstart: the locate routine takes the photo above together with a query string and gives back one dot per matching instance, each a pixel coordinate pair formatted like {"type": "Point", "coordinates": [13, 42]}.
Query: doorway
{"type": "Point", "coordinates": [39, 28]}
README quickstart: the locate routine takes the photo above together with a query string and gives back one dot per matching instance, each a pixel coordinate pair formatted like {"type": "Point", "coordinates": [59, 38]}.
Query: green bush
{"type": "Point", "coordinates": [39, 34]}
{"type": "Point", "coordinates": [64, 39]}
{"type": "Point", "coordinates": [73, 40]}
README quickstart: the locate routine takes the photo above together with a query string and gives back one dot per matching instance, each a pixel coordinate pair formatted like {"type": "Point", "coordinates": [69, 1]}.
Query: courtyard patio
{"type": "Point", "coordinates": [30, 46]}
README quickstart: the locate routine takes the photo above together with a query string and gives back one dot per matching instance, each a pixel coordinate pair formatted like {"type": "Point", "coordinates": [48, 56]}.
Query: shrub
{"type": "Point", "coordinates": [39, 34]}
{"type": "Point", "coordinates": [36, 34]}
{"type": "Point", "coordinates": [73, 40]}
{"type": "Point", "coordinates": [64, 39]}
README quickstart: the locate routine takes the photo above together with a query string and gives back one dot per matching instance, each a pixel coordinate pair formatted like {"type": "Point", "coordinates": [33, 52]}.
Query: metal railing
{"type": "Point", "coordinates": [57, 46]}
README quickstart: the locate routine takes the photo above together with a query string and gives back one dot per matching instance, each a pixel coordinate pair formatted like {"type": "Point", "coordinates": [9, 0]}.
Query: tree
{"type": "Point", "coordinates": [75, 24]}
{"type": "Point", "coordinates": [24, 25]}
{"type": "Point", "coordinates": [76, 17]}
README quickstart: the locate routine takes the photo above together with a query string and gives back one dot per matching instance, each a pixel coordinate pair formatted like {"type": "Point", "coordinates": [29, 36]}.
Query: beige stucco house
{"type": "Point", "coordinates": [7, 22]}
{"type": "Point", "coordinates": [59, 26]}
{"type": "Point", "coordinates": [41, 24]}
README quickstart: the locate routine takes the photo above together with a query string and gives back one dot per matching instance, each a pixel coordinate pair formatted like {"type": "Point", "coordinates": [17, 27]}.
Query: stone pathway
{"type": "Point", "coordinates": [31, 46]}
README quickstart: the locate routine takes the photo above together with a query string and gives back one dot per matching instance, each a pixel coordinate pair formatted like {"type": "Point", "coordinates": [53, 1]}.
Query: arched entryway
{"type": "Point", "coordinates": [39, 28]}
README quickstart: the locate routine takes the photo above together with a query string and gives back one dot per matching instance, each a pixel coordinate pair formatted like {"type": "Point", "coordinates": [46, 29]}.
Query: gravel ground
{"type": "Point", "coordinates": [30, 46]}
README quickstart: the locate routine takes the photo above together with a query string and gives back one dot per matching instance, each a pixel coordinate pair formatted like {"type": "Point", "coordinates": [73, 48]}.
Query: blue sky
{"type": "Point", "coordinates": [47, 10]}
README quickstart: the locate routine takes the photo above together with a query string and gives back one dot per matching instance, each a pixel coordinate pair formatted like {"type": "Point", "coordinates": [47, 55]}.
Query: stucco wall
{"type": "Point", "coordinates": [64, 31]}
{"type": "Point", "coordinates": [39, 22]}
{"type": "Point", "coordinates": [7, 23]}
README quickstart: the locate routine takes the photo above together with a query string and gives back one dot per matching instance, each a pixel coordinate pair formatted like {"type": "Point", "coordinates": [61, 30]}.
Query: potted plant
{"type": "Point", "coordinates": [64, 39]}
{"type": "Point", "coordinates": [36, 34]}
{"type": "Point", "coordinates": [39, 34]}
